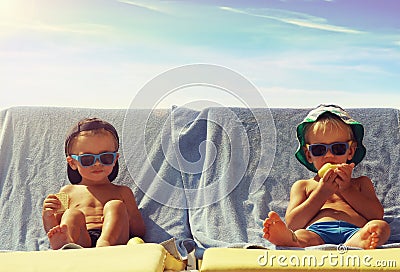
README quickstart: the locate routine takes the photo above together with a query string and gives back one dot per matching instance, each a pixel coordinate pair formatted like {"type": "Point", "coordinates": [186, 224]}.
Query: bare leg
{"type": "Point", "coordinates": [49, 220]}
{"type": "Point", "coordinates": [375, 233]}
{"type": "Point", "coordinates": [72, 229]}
{"type": "Point", "coordinates": [277, 232]}
{"type": "Point", "coordinates": [115, 229]}
{"type": "Point", "coordinates": [59, 236]}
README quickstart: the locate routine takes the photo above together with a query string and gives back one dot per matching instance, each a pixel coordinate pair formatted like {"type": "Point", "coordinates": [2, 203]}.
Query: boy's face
{"type": "Point", "coordinates": [93, 144]}
{"type": "Point", "coordinates": [329, 136]}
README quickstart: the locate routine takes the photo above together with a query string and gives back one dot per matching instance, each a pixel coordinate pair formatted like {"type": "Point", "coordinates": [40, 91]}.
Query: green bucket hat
{"type": "Point", "coordinates": [358, 131]}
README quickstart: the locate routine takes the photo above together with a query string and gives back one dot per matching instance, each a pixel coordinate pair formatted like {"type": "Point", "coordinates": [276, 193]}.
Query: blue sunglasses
{"type": "Point", "coordinates": [337, 149]}
{"type": "Point", "coordinates": [86, 160]}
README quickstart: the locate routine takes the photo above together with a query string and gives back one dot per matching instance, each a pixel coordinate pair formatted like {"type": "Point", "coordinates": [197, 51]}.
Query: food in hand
{"type": "Point", "coordinates": [325, 168]}
{"type": "Point", "coordinates": [63, 197]}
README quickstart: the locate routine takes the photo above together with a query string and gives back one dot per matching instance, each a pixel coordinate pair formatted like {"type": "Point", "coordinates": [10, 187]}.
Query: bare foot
{"type": "Point", "coordinates": [59, 236]}
{"type": "Point", "coordinates": [367, 238]}
{"type": "Point", "coordinates": [276, 231]}
{"type": "Point", "coordinates": [102, 243]}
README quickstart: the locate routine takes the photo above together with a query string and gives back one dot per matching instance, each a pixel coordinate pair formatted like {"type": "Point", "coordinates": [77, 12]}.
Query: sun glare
{"type": "Point", "coordinates": [16, 11]}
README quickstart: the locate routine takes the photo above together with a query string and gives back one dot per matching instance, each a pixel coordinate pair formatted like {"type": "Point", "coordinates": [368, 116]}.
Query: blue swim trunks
{"type": "Point", "coordinates": [334, 232]}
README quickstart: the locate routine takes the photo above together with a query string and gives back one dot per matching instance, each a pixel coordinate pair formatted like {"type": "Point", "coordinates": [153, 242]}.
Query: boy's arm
{"type": "Point", "coordinates": [363, 199]}
{"type": "Point", "coordinates": [136, 223]}
{"type": "Point", "coordinates": [50, 216]}
{"type": "Point", "coordinates": [304, 206]}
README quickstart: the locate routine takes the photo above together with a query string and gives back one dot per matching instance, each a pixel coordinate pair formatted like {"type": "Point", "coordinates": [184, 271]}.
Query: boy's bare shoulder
{"type": "Point", "coordinates": [121, 187]}
{"type": "Point", "coordinates": [304, 185]}
{"type": "Point", "coordinates": [125, 190]}
{"type": "Point", "coordinates": [68, 188]}
{"type": "Point", "coordinates": [304, 182]}
{"type": "Point", "coordinates": [362, 181]}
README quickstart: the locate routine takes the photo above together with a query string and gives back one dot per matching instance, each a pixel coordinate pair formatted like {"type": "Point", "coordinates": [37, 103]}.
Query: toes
{"type": "Point", "coordinates": [274, 216]}
{"type": "Point", "coordinates": [374, 235]}
{"type": "Point", "coordinates": [53, 231]}
{"type": "Point", "coordinates": [373, 229]}
{"type": "Point", "coordinates": [63, 228]}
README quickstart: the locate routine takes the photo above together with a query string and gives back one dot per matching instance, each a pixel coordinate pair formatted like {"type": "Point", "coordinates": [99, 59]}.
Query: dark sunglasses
{"type": "Point", "coordinates": [86, 160]}
{"type": "Point", "coordinates": [337, 149]}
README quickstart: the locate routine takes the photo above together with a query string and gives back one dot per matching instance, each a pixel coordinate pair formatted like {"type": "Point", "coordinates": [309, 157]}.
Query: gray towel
{"type": "Point", "coordinates": [208, 177]}
{"type": "Point", "coordinates": [32, 165]}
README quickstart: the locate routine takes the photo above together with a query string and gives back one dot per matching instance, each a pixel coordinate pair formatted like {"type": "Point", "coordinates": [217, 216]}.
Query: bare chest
{"type": "Point", "coordinates": [337, 208]}
{"type": "Point", "coordinates": [336, 201]}
{"type": "Point", "coordinates": [94, 198]}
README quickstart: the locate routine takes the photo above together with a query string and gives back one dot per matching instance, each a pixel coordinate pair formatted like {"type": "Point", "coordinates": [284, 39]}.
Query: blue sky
{"type": "Point", "coordinates": [298, 53]}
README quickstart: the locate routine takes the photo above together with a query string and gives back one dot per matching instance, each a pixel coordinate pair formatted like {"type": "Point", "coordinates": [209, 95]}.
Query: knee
{"type": "Point", "coordinates": [115, 206]}
{"type": "Point", "coordinates": [382, 225]}
{"type": "Point", "coordinates": [385, 226]}
{"type": "Point", "coordinates": [74, 214]}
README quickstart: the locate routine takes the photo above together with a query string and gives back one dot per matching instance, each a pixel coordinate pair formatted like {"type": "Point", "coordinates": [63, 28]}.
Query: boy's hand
{"type": "Point", "coordinates": [327, 183]}
{"type": "Point", "coordinates": [344, 172]}
{"type": "Point", "coordinates": [51, 204]}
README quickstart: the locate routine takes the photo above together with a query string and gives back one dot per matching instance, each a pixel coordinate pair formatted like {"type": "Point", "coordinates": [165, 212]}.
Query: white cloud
{"type": "Point", "coordinates": [82, 29]}
{"type": "Point", "coordinates": [145, 5]}
{"type": "Point", "coordinates": [288, 18]}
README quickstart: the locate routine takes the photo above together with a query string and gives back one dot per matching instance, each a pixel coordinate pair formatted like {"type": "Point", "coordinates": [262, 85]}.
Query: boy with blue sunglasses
{"type": "Point", "coordinates": [98, 213]}
{"type": "Point", "coordinates": [332, 207]}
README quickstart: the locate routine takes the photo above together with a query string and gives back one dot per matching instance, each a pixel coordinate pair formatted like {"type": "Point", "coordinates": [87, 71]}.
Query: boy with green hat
{"type": "Point", "coordinates": [332, 207]}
